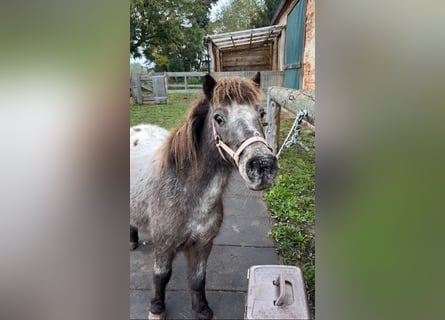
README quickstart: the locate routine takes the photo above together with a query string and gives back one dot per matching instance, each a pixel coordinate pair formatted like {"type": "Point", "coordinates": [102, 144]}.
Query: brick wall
{"type": "Point", "coordinates": [309, 48]}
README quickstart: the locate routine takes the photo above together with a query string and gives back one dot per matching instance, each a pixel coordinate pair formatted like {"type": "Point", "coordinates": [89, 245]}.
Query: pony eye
{"type": "Point", "coordinates": [218, 118]}
{"type": "Point", "coordinates": [262, 113]}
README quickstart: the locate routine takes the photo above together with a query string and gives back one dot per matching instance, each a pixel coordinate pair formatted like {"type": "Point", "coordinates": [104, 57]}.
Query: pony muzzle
{"type": "Point", "coordinates": [254, 158]}
{"type": "Point", "coordinates": [258, 167]}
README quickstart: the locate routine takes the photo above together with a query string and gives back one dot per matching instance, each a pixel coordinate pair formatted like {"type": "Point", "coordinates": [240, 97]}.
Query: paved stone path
{"type": "Point", "coordinates": [242, 242]}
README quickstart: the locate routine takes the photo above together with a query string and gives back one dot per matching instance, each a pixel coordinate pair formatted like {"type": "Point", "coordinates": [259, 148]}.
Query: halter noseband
{"type": "Point", "coordinates": [235, 155]}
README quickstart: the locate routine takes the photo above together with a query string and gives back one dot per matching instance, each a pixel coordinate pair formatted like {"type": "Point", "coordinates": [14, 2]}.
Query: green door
{"type": "Point", "coordinates": [294, 45]}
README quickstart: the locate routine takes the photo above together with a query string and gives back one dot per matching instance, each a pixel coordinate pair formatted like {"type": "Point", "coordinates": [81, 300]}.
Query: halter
{"type": "Point", "coordinates": [235, 155]}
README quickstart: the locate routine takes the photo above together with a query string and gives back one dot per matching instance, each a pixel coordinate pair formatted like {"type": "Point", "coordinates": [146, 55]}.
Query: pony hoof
{"type": "Point", "coordinates": [133, 245]}
{"type": "Point", "coordinates": [152, 316]}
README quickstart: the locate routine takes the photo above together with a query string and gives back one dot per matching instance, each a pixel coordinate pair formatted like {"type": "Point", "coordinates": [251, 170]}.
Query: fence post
{"type": "Point", "coordinates": [273, 122]}
{"type": "Point", "coordinates": [159, 91]}
{"type": "Point", "coordinates": [166, 82]}
{"type": "Point", "coordinates": [136, 90]}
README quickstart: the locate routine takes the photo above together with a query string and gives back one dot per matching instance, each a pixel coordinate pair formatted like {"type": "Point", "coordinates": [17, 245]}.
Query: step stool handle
{"type": "Point", "coordinates": [281, 283]}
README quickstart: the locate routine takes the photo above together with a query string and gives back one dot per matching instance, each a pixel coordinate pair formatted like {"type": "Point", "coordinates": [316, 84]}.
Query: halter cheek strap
{"type": "Point", "coordinates": [235, 155]}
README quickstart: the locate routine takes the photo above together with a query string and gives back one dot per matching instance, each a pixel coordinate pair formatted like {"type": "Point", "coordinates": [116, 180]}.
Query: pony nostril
{"type": "Point", "coordinates": [258, 167]}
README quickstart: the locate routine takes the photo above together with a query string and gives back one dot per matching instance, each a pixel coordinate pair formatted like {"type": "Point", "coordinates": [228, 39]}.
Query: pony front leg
{"type": "Point", "coordinates": [162, 272]}
{"type": "Point", "coordinates": [197, 260]}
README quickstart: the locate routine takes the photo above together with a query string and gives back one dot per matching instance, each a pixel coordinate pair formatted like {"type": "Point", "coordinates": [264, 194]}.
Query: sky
{"type": "Point", "coordinates": [216, 7]}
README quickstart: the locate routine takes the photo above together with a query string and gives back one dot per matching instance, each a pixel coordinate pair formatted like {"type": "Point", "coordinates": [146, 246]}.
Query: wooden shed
{"type": "Point", "coordinates": [287, 45]}
{"type": "Point", "coordinates": [247, 50]}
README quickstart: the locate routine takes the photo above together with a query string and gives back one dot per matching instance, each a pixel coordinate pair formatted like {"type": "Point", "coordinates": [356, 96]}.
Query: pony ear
{"type": "Point", "coordinates": [208, 85]}
{"type": "Point", "coordinates": [257, 78]}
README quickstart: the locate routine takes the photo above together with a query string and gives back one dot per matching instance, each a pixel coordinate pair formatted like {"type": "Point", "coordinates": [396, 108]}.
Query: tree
{"type": "Point", "coordinates": [265, 16]}
{"type": "Point", "coordinates": [236, 15]}
{"type": "Point", "coordinates": [169, 32]}
{"type": "Point", "coordinates": [239, 15]}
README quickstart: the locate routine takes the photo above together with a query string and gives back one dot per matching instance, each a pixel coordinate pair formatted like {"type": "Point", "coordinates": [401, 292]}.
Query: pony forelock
{"type": "Point", "coordinates": [235, 89]}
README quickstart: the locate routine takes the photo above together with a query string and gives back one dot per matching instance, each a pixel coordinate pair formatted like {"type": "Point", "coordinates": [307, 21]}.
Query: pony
{"type": "Point", "coordinates": [177, 180]}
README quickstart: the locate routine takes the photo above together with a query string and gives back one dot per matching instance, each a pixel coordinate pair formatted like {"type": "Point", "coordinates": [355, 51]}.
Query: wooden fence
{"type": "Point", "coordinates": [293, 101]}
{"type": "Point", "coordinates": [156, 87]}
{"type": "Point", "coordinates": [184, 82]}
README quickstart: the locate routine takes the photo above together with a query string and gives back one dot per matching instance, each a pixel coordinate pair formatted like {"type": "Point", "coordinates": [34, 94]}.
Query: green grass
{"type": "Point", "coordinates": [167, 116]}
{"type": "Point", "coordinates": [291, 201]}
{"type": "Point", "coordinates": [182, 96]}
{"type": "Point", "coordinates": [158, 114]}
